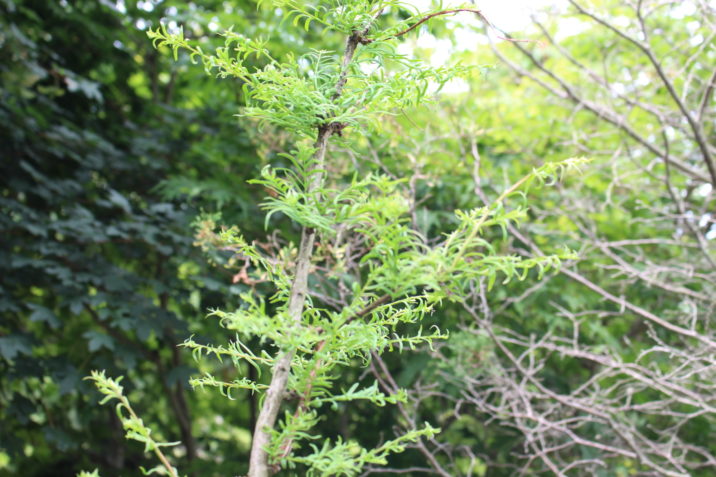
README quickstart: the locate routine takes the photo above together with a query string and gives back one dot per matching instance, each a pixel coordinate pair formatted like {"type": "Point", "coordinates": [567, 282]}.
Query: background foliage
{"type": "Point", "coordinates": [110, 150]}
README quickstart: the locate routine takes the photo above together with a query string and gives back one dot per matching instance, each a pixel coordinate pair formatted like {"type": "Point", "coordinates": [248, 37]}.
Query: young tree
{"type": "Point", "coordinates": [360, 279]}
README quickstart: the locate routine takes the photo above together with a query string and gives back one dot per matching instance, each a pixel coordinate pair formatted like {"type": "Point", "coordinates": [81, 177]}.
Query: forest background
{"type": "Point", "coordinates": [111, 150]}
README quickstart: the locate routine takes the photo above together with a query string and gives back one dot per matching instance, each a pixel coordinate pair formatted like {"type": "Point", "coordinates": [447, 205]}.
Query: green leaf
{"type": "Point", "coordinates": [14, 345]}
{"type": "Point", "coordinates": [97, 341]}
{"type": "Point", "coordinates": [43, 315]}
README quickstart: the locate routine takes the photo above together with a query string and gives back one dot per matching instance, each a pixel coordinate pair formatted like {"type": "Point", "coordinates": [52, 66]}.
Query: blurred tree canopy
{"type": "Point", "coordinates": [98, 267]}
{"type": "Point", "coordinates": [110, 150]}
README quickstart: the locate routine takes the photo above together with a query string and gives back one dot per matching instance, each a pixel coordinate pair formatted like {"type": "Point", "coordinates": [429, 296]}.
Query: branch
{"type": "Point", "coordinates": [302, 407]}
{"type": "Point", "coordinates": [707, 96]}
{"type": "Point", "coordinates": [368, 309]}
{"type": "Point", "coordinates": [610, 116]}
{"type": "Point", "coordinates": [685, 332]}
{"type": "Point", "coordinates": [388, 383]}
{"type": "Point", "coordinates": [696, 128]}
{"type": "Point", "coordinates": [366, 41]}
{"type": "Point", "coordinates": [432, 15]}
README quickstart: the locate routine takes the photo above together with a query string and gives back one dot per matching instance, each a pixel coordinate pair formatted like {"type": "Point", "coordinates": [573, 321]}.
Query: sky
{"type": "Point", "coordinates": [512, 16]}
{"type": "Point", "coordinates": [509, 15]}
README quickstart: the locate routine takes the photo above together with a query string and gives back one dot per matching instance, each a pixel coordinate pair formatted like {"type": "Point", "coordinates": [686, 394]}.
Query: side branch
{"type": "Point", "coordinates": [696, 127]}
{"type": "Point", "coordinates": [302, 407]}
{"type": "Point", "coordinates": [366, 41]}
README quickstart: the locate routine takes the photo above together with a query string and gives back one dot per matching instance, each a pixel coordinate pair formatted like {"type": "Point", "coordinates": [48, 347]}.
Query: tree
{"type": "Point", "coordinates": [606, 368]}
{"type": "Point", "coordinates": [360, 275]}
{"type": "Point", "coordinates": [97, 267]}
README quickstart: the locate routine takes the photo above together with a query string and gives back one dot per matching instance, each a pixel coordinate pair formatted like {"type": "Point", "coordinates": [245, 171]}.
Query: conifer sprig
{"type": "Point", "coordinates": [396, 278]}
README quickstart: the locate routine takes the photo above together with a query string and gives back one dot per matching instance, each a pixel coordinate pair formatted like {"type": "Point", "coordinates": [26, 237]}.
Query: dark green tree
{"type": "Point", "coordinates": [101, 178]}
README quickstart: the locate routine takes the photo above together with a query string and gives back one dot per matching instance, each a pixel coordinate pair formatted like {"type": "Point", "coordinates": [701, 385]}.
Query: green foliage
{"type": "Point", "coordinates": [622, 207]}
{"type": "Point", "coordinates": [133, 425]}
{"type": "Point", "coordinates": [301, 93]}
{"type": "Point", "coordinates": [400, 276]}
{"type": "Point", "coordinates": [93, 259]}
{"type": "Point", "coordinates": [111, 149]}
{"type": "Point", "coordinates": [346, 458]}
{"type": "Point", "coordinates": [84, 473]}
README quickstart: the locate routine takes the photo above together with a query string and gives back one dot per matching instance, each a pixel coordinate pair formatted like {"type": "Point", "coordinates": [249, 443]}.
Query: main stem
{"type": "Point", "coordinates": [258, 461]}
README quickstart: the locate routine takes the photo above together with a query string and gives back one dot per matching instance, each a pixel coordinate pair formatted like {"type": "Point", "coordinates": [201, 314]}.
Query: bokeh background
{"type": "Point", "coordinates": [110, 149]}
